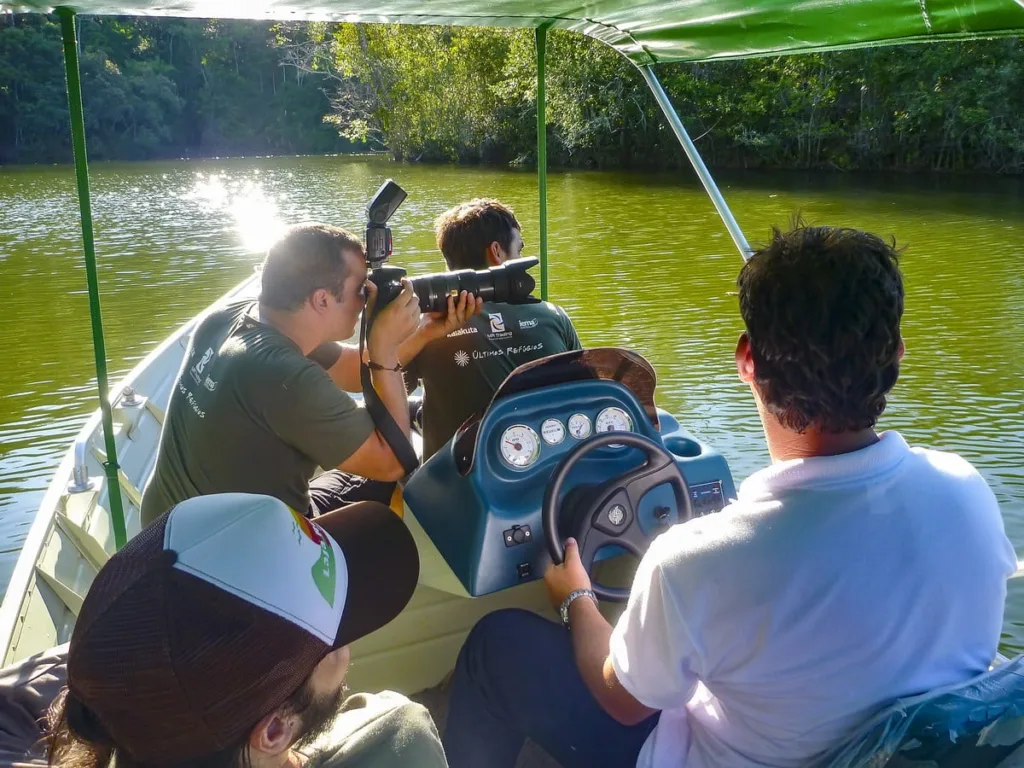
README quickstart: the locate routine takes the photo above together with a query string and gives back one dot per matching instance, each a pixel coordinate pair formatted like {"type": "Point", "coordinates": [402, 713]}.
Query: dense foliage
{"type": "Point", "coordinates": [173, 87]}
{"type": "Point", "coordinates": [157, 88]}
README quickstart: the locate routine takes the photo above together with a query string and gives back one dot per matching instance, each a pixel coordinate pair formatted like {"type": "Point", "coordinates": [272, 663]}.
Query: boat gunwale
{"type": "Point", "coordinates": [19, 586]}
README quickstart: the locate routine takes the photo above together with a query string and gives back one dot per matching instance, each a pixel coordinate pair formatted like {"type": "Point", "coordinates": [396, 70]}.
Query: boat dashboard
{"type": "Point", "coordinates": [480, 497]}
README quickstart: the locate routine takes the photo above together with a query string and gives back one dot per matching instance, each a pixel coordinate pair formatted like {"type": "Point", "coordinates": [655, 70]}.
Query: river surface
{"type": "Point", "coordinates": [637, 260]}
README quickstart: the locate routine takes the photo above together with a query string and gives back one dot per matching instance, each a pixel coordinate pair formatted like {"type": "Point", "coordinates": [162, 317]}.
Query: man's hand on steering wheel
{"type": "Point", "coordinates": [610, 517]}
{"type": "Point", "coordinates": [562, 580]}
{"type": "Point", "coordinates": [435, 325]}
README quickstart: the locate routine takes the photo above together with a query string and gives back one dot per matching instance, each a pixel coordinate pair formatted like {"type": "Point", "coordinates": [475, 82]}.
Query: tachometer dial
{"type": "Point", "coordinates": [579, 426]}
{"type": "Point", "coordinates": [553, 431]}
{"type": "Point", "coordinates": [614, 420]}
{"type": "Point", "coordinates": [520, 446]}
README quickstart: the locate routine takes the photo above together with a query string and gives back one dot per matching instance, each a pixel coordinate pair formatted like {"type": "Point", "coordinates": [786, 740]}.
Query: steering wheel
{"type": "Point", "coordinates": [610, 516]}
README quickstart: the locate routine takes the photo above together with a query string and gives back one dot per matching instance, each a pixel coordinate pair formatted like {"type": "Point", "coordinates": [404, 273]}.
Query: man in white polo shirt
{"type": "Point", "coordinates": [852, 571]}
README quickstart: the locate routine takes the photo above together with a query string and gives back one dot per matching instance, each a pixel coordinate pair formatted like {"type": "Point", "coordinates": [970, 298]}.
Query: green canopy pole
{"type": "Point", "coordinates": [110, 466]}
{"type": "Point", "coordinates": [542, 158]}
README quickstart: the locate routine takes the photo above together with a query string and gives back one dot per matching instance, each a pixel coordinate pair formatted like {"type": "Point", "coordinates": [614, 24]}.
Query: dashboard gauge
{"type": "Point", "coordinates": [614, 420]}
{"type": "Point", "coordinates": [520, 446]}
{"type": "Point", "coordinates": [579, 426]}
{"type": "Point", "coordinates": [553, 431]}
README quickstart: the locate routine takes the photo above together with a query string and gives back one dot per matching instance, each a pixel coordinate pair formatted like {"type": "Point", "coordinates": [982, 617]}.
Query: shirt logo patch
{"type": "Point", "coordinates": [461, 358]}
{"type": "Point", "coordinates": [497, 323]}
{"type": "Point", "coordinates": [198, 368]}
{"type": "Point", "coordinates": [527, 324]}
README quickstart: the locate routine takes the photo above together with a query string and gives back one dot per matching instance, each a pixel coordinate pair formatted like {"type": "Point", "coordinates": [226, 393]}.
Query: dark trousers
{"type": "Point", "coordinates": [335, 489]}
{"type": "Point", "coordinates": [516, 677]}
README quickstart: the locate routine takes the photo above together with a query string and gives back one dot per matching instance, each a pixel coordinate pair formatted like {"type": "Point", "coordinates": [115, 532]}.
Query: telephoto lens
{"type": "Point", "coordinates": [508, 283]}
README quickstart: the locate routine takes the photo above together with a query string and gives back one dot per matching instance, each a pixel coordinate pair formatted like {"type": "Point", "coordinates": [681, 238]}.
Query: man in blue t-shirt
{"type": "Point", "coordinates": [462, 367]}
{"type": "Point", "coordinates": [852, 571]}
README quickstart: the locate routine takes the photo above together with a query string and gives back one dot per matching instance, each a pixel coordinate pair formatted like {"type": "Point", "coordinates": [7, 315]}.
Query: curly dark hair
{"type": "Point", "coordinates": [466, 231]}
{"type": "Point", "coordinates": [822, 307]}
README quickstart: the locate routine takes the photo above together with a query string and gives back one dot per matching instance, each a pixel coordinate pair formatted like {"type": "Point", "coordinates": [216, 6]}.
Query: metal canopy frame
{"type": "Point", "coordinates": [69, 33]}
{"type": "Point", "coordinates": [74, 88]}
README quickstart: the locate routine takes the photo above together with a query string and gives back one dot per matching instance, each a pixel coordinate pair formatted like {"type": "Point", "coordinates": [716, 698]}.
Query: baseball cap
{"type": "Point", "coordinates": [216, 613]}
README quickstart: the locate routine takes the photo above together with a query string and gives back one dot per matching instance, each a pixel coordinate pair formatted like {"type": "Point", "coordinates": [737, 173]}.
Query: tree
{"type": "Point", "coordinates": [163, 87]}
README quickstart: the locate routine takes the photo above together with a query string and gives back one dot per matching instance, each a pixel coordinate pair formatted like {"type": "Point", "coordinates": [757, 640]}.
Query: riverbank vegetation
{"type": "Point", "coordinates": [157, 88]}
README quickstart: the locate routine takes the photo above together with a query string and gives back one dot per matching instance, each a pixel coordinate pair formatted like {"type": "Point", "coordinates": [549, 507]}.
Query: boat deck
{"type": "Point", "coordinates": [614, 572]}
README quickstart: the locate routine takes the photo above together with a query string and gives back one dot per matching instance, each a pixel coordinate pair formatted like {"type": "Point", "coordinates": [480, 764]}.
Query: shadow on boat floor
{"type": "Point", "coordinates": [436, 700]}
{"type": "Point", "coordinates": [615, 572]}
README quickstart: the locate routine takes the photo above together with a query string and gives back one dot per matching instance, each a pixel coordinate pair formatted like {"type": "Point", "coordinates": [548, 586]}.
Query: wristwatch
{"type": "Point", "coordinates": [564, 610]}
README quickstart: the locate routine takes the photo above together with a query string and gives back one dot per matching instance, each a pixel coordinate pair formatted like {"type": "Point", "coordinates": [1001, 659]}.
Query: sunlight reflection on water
{"type": "Point", "coordinates": [257, 219]}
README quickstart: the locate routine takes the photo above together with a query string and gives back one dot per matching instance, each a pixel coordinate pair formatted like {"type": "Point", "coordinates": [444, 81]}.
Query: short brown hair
{"type": "Point", "coordinates": [307, 258]}
{"type": "Point", "coordinates": [466, 231]}
{"type": "Point", "coordinates": [822, 307]}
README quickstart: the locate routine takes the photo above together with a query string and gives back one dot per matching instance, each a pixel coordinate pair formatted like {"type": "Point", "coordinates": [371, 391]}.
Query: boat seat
{"type": "Point", "coordinates": [979, 723]}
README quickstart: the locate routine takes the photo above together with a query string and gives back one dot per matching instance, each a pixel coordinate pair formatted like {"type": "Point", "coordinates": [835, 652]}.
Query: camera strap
{"type": "Point", "coordinates": [382, 418]}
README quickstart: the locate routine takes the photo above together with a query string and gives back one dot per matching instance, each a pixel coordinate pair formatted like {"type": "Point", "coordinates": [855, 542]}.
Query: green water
{"type": "Point", "coordinates": [637, 260]}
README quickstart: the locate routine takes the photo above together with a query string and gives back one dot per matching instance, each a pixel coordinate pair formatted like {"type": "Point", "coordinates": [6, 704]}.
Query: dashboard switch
{"type": "Point", "coordinates": [517, 534]}
{"type": "Point", "coordinates": [524, 570]}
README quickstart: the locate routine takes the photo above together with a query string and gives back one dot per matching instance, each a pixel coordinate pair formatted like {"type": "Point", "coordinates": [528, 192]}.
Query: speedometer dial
{"type": "Point", "coordinates": [614, 420]}
{"type": "Point", "coordinates": [579, 426]}
{"type": "Point", "coordinates": [553, 431]}
{"type": "Point", "coordinates": [520, 446]}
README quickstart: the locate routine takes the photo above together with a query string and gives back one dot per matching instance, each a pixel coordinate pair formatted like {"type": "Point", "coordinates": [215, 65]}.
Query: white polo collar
{"type": "Point", "coordinates": [819, 471]}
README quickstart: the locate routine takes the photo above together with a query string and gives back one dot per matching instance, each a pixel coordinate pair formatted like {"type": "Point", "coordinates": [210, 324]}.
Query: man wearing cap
{"type": "Point", "coordinates": [220, 635]}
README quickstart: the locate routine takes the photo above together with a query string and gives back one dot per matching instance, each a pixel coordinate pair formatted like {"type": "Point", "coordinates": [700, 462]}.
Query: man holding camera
{"type": "Point", "coordinates": [462, 365]}
{"type": "Point", "coordinates": [259, 403]}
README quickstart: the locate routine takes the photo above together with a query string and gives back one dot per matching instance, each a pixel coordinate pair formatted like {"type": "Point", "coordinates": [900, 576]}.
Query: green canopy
{"type": "Point", "coordinates": [645, 31]}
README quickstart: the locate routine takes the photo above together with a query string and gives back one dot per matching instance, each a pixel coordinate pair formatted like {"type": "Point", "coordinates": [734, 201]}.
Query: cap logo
{"type": "Point", "coordinates": [324, 570]}
{"type": "Point", "coordinates": [304, 526]}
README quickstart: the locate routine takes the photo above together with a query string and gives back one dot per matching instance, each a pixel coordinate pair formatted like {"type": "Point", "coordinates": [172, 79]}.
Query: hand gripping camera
{"type": "Point", "coordinates": [509, 283]}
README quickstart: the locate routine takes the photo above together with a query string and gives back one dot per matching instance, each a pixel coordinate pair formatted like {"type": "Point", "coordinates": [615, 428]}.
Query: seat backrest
{"type": "Point", "coordinates": [976, 723]}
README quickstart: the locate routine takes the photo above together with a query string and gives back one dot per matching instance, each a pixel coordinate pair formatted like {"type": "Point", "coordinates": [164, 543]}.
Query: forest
{"type": "Point", "coordinates": [180, 88]}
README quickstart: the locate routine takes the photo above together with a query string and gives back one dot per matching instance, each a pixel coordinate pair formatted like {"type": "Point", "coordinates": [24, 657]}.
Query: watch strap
{"type": "Point", "coordinates": [570, 599]}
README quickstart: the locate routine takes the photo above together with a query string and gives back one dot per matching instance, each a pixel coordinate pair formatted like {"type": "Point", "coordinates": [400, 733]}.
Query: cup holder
{"type": "Point", "coordinates": [683, 446]}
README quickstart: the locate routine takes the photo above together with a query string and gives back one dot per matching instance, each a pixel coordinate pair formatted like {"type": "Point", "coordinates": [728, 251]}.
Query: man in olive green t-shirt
{"type": "Point", "coordinates": [259, 403]}
{"type": "Point", "coordinates": [461, 368]}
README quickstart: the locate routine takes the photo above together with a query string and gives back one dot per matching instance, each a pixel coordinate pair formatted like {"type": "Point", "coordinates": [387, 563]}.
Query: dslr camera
{"type": "Point", "coordinates": [509, 283]}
